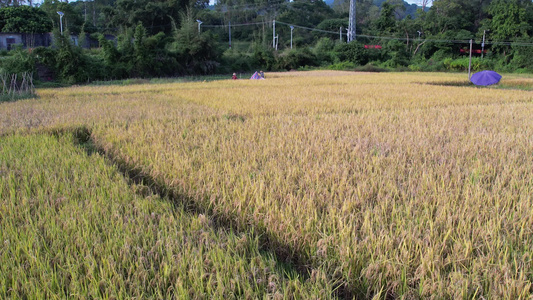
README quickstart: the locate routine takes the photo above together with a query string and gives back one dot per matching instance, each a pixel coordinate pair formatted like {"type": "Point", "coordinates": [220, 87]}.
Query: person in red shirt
{"type": "Point", "coordinates": [234, 77]}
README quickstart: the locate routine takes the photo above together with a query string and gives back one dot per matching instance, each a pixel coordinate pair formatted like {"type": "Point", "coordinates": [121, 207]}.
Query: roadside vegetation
{"type": "Point", "coordinates": [114, 40]}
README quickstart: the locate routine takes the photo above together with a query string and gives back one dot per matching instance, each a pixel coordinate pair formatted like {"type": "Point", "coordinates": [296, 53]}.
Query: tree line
{"type": "Point", "coordinates": [184, 37]}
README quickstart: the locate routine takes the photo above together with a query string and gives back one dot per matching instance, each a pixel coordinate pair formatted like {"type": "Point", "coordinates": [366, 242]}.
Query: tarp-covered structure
{"type": "Point", "coordinates": [256, 76]}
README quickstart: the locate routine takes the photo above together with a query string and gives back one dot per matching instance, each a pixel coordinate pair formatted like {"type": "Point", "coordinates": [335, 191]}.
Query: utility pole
{"type": "Point", "coordinates": [292, 28]}
{"type": "Point", "coordinates": [351, 26]}
{"type": "Point", "coordinates": [470, 60]}
{"type": "Point", "coordinates": [199, 23]}
{"type": "Point", "coordinates": [483, 43]}
{"type": "Point", "coordinates": [61, 14]}
{"type": "Point", "coordinates": [274, 34]}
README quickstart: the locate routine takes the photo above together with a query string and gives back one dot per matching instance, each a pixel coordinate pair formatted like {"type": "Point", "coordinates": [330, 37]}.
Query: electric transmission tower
{"type": "Point", "coordinates": [351, 25]}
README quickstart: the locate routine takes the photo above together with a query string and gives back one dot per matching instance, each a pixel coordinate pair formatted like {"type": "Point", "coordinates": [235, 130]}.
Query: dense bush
{"type": "Point", "coordinates": [72, 65]}
{"type": "Point", "coordinates": [324, 52]}
{"type": "Point", "coordinates": [357, 53]}
{"type": "Point", "coordinates": [295, 58]}
{"type": "Point", "coordinates": [342, 66]}
{"type": "Point", "coordinates": [395, 54]}
{"type": "Point", "coordinates": [522, 59]}
{"type": "Point", "coordinates": [461, 64]}
{"type": "Point", "coordinates": [263, 57]}
{"type": "Point", "coordinates": [135, 55]}
{"type": "Point", "coordinates": [235, 61]}
{"type": "Point", "coordinates": [19, 61]}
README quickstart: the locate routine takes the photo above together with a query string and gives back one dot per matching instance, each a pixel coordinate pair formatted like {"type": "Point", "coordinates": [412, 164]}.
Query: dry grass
{"type": "Point", "coordinates": [392, 185]}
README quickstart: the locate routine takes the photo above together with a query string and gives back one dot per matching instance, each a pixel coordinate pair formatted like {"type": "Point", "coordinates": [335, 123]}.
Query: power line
{"type": "Point", "coordinates": [251, 6]}
{"type": "Point", "coordinates": [450, 41]}
{"type": "Point", "coordinates": [235, 25]}
{"type": "Point", "coordinates": [309, 28]}
{"type": "Point", "coordinates": [504, 43]}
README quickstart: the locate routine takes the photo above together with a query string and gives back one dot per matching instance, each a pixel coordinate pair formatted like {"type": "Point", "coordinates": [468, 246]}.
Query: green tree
{"type": "Point", "coordinates": [70, 60]}
{"type": "Point", "coordinates": [305, 13]}
{"type": "Point", "coordinates": [72, 20]}
{"type": "Point", "coordinates": [13, 3]}
{"type": "Point", "coordinates": [156, 16]}
{"type": "Point", "coordinates": [509, 20]}
{"type": "Point", "coordinates": [386, 23]}
{"type": "Point", "coordinates": [302, 13]}
{"type": "Point", "coordinates": [333, 24]}
{"type": "Point", "coordinates": [24, 19]}
{"type": "Point", "coordinates": [356, 53]}
{"type": "Point", "coordinates": [522, 58]}
{"type": "Point", "coordinates": [197, 53]}
{"type": "Point", "coordinates": [91, 13]}
{"type": "Point", "coordinates": [453, 15]}
{"type": "Point", "coordinates": [140, 53]}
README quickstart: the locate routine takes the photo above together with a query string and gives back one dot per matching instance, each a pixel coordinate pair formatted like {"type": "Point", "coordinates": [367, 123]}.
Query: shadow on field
{"type": "Point", "coordinates": [288, 259]}
{"type": "Point", "coordinates": [451, 83]}
{"type": "Point", "coordinates": [15, 98]}
{"type": "Point", "coordinates": [502, 86]}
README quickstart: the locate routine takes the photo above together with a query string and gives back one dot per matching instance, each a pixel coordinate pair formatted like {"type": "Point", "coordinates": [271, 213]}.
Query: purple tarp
{"type": "Point", "coordinates": [256, 76]}
{"type": "Point", "coordinates": [485, 78]}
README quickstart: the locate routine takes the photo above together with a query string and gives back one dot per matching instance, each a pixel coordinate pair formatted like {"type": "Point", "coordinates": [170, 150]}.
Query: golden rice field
{"type": "Point", "coordinates": [337, 184]}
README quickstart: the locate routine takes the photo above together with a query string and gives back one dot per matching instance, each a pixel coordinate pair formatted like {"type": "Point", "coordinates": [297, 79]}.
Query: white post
{"type": "Point", "coordinates": [61, 14]}
{"type": "Point", "coordinates": [348, 35]}
{"type": "Point", "coordinates": [274, 34]}
{"type": "Point", "coordinates": [199, 23]}
{"type": "Point", "coordinates": [470, 60]}
{"type": "Point", "coordinates": [292, 28]}
{"type": "Point", "coordinates": [483, 44]}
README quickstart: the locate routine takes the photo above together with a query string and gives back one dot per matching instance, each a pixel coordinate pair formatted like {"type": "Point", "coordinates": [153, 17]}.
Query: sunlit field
{"type": "Point", "coordinates": [336, 184]}
{"type": "Point", "coordinates": [72, 227]}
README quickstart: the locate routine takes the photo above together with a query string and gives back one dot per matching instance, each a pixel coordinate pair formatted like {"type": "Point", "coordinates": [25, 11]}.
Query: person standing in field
{"type": "Point", "coordinates": [234, 77]}
{"type": "Point", "coordinates": [262, 74]}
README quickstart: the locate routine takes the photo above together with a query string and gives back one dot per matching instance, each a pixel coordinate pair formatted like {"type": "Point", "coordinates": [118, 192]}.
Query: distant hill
{"type": "Point", "coordinates": [410, 9]}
